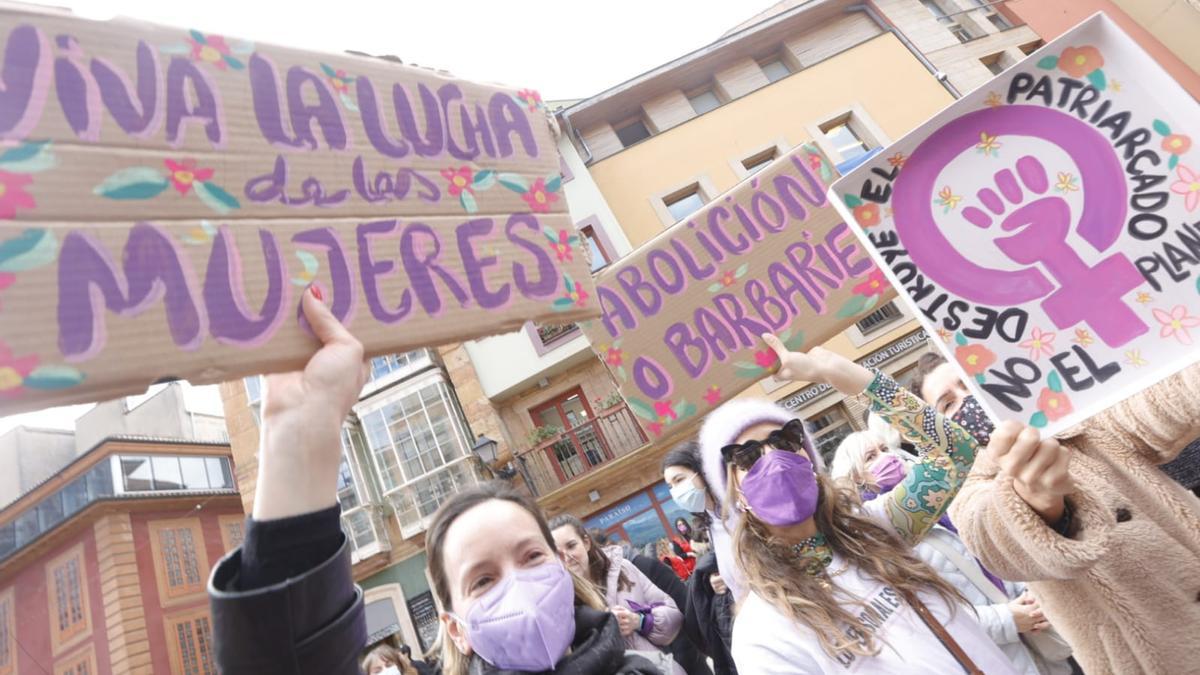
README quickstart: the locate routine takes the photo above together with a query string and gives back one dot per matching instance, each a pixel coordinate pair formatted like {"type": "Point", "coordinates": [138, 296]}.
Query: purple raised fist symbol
{"type": "Point", "coordinates": [1029, 226]}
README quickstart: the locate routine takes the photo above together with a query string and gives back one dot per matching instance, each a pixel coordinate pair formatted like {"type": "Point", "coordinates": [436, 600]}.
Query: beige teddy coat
{"type": "Point", "coordinates": [1124, 589]}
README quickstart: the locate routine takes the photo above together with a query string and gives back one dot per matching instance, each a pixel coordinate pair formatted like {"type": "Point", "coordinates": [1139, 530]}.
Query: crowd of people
{"type": "Point", "coordinates": [934, 542]}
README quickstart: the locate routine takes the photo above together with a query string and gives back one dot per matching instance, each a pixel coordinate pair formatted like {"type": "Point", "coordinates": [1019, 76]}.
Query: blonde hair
{"type": "Point", "coordinates": [771, 569]}
{"type": "Point", "coordinates": [849, 461]}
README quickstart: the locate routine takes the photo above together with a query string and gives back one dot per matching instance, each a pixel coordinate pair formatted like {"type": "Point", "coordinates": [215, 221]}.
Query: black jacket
{"type": "Point", "coordinates": [708, 617]}
{"type": "Point", "coordinates": [598, 649]}
{"type": "Point", "coordinates": [685, 652]}
{"type": "Point", "coordinates": [310, 623]}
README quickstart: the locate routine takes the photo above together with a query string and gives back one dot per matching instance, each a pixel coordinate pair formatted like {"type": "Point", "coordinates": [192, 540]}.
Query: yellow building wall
{"type": "Point", "coordinates": [880, 75]}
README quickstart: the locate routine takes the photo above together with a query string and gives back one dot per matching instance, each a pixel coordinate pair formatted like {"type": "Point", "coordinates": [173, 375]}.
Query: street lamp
{"type": "Point", "coordinates": [485, 450]}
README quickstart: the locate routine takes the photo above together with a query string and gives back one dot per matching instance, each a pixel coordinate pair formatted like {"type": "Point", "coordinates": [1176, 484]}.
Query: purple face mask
{"type": "Point", "coordinates": [888, 470]}
{"type": "Point", "coordinates": [972, 417]}
{"type": "Point", "coordinates": [781, 488]}
{"type": "Point", "coordinates": [527, 621]}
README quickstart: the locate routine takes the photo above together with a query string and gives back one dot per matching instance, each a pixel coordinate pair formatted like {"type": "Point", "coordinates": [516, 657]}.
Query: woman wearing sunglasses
{"type": "Point", "coordinates": [833, 584]}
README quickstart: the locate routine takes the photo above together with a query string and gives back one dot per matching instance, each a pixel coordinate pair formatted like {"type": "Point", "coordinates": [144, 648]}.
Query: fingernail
{"type": "Point", "coordinates": [315, 289]}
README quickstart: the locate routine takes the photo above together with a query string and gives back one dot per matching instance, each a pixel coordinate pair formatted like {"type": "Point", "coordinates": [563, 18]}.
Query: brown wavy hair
{"type": "Point", "coordinates": [773, 572]}
{"type": "Point", "coordinates": [598, 561]}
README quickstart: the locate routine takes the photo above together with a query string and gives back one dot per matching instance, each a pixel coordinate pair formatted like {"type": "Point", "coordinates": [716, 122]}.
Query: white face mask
{"type": "Point", "coordinates": [390, 670]}
{"type": "Point", "coordinates": [688, 496]}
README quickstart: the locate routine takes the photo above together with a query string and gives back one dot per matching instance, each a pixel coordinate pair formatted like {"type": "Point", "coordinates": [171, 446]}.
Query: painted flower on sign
{"type": "Point", "coordinates": [13, 195]}
{"type": "Point", "coordinates": [1067, 182]}
{"type": "Point", "coordinates": [897, 160]}
{"type": "Point", "coordinates": [459, 180]}
{"type": "Point", "coordinates": [184, 175]}
{"type": "Point", "coordinates": [614, 357]}
{"type": "Point", "coordinates": [655, 428]}
{"type": "Point", "coordinates": [766, 359]}
{"type": "Point", "coordinates": [1083, 337]}
{"type": "Point", "coordinates": [1134, 358]}
{"type": "Point", "coordinates": [944, 334]}
{"type": "Point", "coordinates": [1188, 185]}
{"type": "Point", "coordinates": [974, 359]}
{"type": "Point", "coordinates": [538, 197]}
{"type": "Point", "coordinates": [1054, 404]}
{"type": "Point", "coordinates": [728, 278]}
{"type": "Point", "coordinates": [665, 411]}
{"type": "Point", "coordinates": [1039, 344]}
{"type": "Point", "coordinates": [1177, 144]}
{"type": "Point", "coordinates": [340, 81]}
{"type": "Point", "coordinates": [14, 370]}
{"type": "Point", "coordinates": [712, 395]}
{"type": "Point", "coordinates": [1080, 61]}
{"type": "Point", "coordinates": [1176, 323]}
{"type": "Point", "coordinates": [994, 100]}
{"type": "Point", "coordinates": [875, 284]}
{"type": "Point", "coordinates": [947, 199]}
{"type": "Point", "coordinates": [531, 99]}
{"type": "Point", "coordinates": [988, 144]}
{"type": "Point", "coordinates": [214, 50]}
{"type": "Point", "coordinates": [1144, 298]}
{"type": "Point", "coordinates": [867, 215]}
{"type": "Point", "coordinates": [562, 248]}
{"type": "Point", "coordinates": [578, 296]}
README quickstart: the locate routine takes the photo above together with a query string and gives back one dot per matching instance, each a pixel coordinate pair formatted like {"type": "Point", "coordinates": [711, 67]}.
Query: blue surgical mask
{"type": "Point", "coordinates": [689, 497]}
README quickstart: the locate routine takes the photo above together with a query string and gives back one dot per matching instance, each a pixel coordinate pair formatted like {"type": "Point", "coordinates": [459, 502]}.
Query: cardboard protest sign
{"type": "Point", "coordinates": [1047, 227]}
{"type": "Point", "coordinates": [684, 313]}
{"type": "Point", "coordinates": [166, 195]}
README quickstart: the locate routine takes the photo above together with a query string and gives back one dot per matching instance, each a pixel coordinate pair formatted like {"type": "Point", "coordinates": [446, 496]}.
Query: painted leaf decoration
{"type": "Point", "coordinates": [1054, 381]}
{"type": "Point", "coordinates": [870, 303]}
{"type": "Point", "coordinates": [562, 304]}
{"type": "Point", "coordinates": [680, 406]}
{"type": "Point", "coordinates": [642, 409]}
{"type": "Point", "coordinates": [960, 340]}
{"type": "Point", "coordinates": [216, 198]}
{"type": "Point", "coordinates": [1048, 63]}
{"type": "Point", "coordinates": [1171, 163]}
{"type": "Point", "coordinates": [550, 234]}
{"type": "Point", "coordinates": [53, 377]}
{"type": "Point", "coordinates": [175, 49]}
{"type": "Point", "coordinates": [32, 248]}
{"type": "Point", "coordinates": [513, 181]}
{"type": "Point", "coordinates": [980, 378]}
{"type": "Point", "coordinates": [741, 270]}
{"type": "Point", "coordinates": [309, 263]}
{"type": "Point", "coordinates": [136, 182]}
{"type": "Point", "coordinates": [554, 182]}
{"type": "Point", "coordinates": [688, 411]}
{"type": "Point", "coordinates": [328, 70]}
{"type": "Point", "coordinates": [22, 152]}
{"type": "Point", "coordinates": [570, 283]}
{"type": "Point", "coordinates": [1096, 77]}
{"type": "Point", "coordinates": [349, 102]}
{"type": "Point", "coordinates": [485, 179]}
{"type": "Point", "coordinates": [1198, 283]}
{"type": "Point", "coordinates": [236, 64]}
{"type": "Point", "coordinates": [715, 288]}
{"type": "Point", "coordinates": [198, 36]}
{"type": "Point", "coordinates": [468, 202]}
{"type": "Point", "coordinates": [851, 200]}
{"type": "Point", "coordinates": [621, 372]}
{"type": "Point", "coordinates": [795, 342]}
{"type": "Point", "coordinates": [1159, 126]}
{"type": "Point", "coordinates": [853, 307]}
{"type": "Point", "coordinates": [1039, 420]}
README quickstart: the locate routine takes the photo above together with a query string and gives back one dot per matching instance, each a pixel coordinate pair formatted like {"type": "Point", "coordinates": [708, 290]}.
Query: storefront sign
{"type": "Point", "coordinates": [876, 359]}
{"type": "Point", "coordinates": [637, 503]}
{"type": "Point", "coordinates": [1047, 227]}
{"type": "Point", "coordinates": [167, 195]}
{"type": "Point", "coordinates": [684, 314]}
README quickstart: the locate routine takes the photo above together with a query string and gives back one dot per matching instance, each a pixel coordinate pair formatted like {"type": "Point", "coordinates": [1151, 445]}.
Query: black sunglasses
{"type": "Point", "coordinates": [743, 455]}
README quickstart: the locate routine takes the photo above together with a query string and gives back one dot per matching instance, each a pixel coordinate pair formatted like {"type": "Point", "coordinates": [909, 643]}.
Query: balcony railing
{"type": "Point", "coordinates": [557, 461]}
{"type": "Point", "coordinates": [365, 530]}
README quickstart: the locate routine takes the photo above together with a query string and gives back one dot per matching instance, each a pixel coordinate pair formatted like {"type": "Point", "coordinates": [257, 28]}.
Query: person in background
{"type": "Point", "coordinates": [285, 600]}
{"type": "Point", "coordinates": [708, 611]}
{"type": "Point", "coordinates": [833, 583]}
{"type": "Point", "coordinates": [649, 619]}
{"type": "Point", "coordinates": [1006, 610]}
{"type": "Point", "coordinates": [422, 667]}
{"type": "Point", "coordinates": [1110, 545]}
{"type": "Point", "coordinates": [667, 554]}
{"type": "Point", "coordinates": [681, 543]}
{"type": "Point", "coordinates": [387, 660]}
{"type": "Point", "coordinates": [683, 649]}
{"type": "Point", "coordinates": [510, 604]}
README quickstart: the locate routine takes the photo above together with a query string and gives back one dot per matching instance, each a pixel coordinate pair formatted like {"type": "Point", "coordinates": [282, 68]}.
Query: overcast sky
{"type": "Point", "coordinates": [563, 49]}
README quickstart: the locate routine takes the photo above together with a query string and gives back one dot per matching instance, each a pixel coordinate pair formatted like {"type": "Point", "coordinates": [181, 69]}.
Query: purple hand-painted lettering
{"type": "Point", "coordinates": [139, 118]}
{"type": "Point", "coordinates": [230, 320]}
{"type": "Point", "coordinates": [25, 81]}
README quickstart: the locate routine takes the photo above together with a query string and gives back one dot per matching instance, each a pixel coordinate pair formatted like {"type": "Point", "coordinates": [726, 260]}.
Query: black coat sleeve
{"type": "Point", "coordinates": [664, 577]}
{"type": "Point", "coordinates": [298, 616]}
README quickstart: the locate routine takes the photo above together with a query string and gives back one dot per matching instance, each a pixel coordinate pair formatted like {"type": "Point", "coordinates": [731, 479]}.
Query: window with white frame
{"type": "Point", "coordinates": [775, 68]}
{"type": "Point", "coordinates": [880, 318]}
{"type": "Point", "coordinates": [633, 132]}
{"type": "Point", "coordinates": [848, 137]}
{"type": "Point", "coordinates": [383, 365]}
{"type": "Point", "coordinates": [358, 520]}
{"type": "Point", "coordinates": [683, 203]}
{"type": "Point", "coordinates": [961, 32]}
{"type": "Point", "coordinates": [756, 162]}
{"type": "Point", "coordinates": [418, 443]}
{"type": "Point", "coordinates": [253, 386]}
{"type": "Point", "coordinates": [989, 10]}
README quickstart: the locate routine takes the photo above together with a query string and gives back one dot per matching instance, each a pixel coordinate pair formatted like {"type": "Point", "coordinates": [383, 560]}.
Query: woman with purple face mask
{"type": "Point", "coordinates": [1005, 610]}
{"type": "Point", "coordinates": [833, 584]}
{"type": "Point", "coordinates": [510, 605]}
